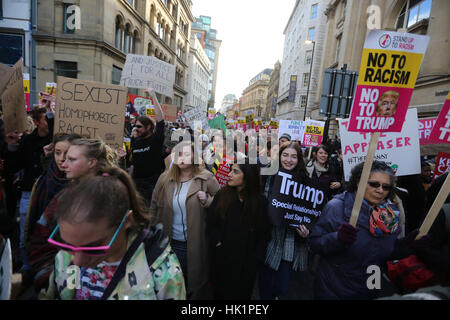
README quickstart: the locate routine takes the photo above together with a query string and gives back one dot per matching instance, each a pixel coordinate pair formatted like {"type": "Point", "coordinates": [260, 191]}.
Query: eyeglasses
{"type": "Point", "coordinates": [376, 185]}
{"type": "Point", "coordinates": [90, 251]}
{"type": "Point", "coordinates": [139, 126]}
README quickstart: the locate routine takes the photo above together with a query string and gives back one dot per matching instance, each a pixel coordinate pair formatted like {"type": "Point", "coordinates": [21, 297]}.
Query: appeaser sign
{"type": "Point", "coordinates": [389, 67]}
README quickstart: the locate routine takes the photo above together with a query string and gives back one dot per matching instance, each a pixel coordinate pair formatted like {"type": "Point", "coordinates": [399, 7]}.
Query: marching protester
{"type": "Point", "coordinates": [347, 251]}
{"type": "Point", "coordinates": [108, 240]}
{"type": "Point", "coordinates": [238, 230]}
{"type": "Point", "coordinates": [320, 170]}
{"type": "Point", "coordinates": [287, 250]}
{"type": "Point", "coordinates": [26, 153]}
{"type": "Point", "coordinates": [179, 202]}
{"type": "Point", "coordinates": [84, 157]}
{"type": "Point", "coordinates": [147, 161]}
{"type": "Point", "coordinates": [52, 181]}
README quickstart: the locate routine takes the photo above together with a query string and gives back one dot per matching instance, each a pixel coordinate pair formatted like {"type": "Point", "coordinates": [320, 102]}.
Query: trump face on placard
{"type": "Point", "coordinates": [387, 104]}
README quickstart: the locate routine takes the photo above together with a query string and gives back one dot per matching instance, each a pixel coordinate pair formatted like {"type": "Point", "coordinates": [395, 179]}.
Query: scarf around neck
{"type": "Point", "coordinates": [383, 220]}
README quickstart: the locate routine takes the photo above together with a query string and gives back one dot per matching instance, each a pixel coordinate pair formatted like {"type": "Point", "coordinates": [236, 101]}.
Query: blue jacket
{"type": "Point", "coordinates": [342, 271]}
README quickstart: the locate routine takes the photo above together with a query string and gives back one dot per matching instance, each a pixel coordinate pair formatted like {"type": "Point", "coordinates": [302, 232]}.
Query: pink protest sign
{"type": "Point", "coordinates": [425, 127]}
{"type": "Point", "coordinates": [442, 164]}
{"type": "Point", "coordinates": [441, 130]}
{"type": "Point", "coordinates": [389, 67]}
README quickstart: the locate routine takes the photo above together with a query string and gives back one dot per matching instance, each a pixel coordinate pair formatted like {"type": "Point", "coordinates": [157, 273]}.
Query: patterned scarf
{"type": "Point", "coordinates": [383, 220]}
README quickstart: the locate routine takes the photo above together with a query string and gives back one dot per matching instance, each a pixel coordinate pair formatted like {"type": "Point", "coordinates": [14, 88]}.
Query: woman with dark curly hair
{"type": "Point", "coordinates": [347, 252]}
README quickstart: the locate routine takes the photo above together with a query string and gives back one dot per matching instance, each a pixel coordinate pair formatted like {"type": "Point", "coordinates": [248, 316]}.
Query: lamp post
{"type": "Point", "coordinates": [310, 73]}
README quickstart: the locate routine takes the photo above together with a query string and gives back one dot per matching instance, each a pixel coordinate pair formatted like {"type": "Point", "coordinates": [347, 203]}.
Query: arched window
{"type": "Point", "coordinates": [118, 34]}
{"type": "Point", "coordinates": [126, 44]}
{"type": "Point", "coordinates": [149, 49]}
{"type": "Point", "coordinates": [413, 12]}
{"type": "Point", "coordinates": [134, 41]}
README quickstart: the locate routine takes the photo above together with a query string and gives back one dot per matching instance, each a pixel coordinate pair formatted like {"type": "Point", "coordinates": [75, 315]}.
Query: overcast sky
{"type": "Point", "coordinates": [252, 38]}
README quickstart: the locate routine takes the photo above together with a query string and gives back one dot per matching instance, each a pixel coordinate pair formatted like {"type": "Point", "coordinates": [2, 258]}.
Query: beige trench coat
{"type": "Point", "coordinates": [161, 210]}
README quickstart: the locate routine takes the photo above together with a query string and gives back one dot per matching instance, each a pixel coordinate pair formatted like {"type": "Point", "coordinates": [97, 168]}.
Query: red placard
{"type": "Point", "coordinates": [442, 164]}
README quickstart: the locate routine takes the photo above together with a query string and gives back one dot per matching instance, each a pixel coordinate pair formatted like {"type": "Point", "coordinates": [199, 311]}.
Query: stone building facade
{"type": "Point", "coordinates": [254, 97]}
{"type": "Point", "coordinates": [347, 30]}
{"type": "Point", "coordinates": [307, 22]}
{"type": "Point", "coordinates": [109, 30]}
{"type": "Point", "coordinates": [198, 76]}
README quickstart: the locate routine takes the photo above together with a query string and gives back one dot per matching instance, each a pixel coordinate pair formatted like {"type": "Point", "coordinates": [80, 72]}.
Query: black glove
{"type": "Point", "coordinates": [347, 233]}
{"type": "Point", "coordinates": [423, 244]}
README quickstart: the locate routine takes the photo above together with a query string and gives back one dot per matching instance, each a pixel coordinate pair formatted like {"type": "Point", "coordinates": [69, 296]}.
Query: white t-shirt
{"type": "Point", "coordinates": [179, 227]}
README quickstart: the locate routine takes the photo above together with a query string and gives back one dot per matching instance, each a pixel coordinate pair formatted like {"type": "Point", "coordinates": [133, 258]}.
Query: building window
{"type": "Point", "coordinates": [116, 74]}
{"type": "Point", "coordinates": [413, 12]}
{"type": "Point", "coordinates": [314, 11]}
{"type": "Point", "coordinates": [66, 69]}
{"type": "Point", "coordinates": [308, 57]}
{"type": "Point", "coordinates": [177, 100]}
{"type": "Point", "coordinates": [305, 79]}
{"type": "Point", "coordinates": [66, 16]}
{"type": "Point", "coordinates": [303, 101]}
{"type": "Point", "coordinates": [179, 78]}
{"type": "Point", "coordinates": [311, 33]}
{"type": "Point", "coordinates": [118, 37]}
{"type": "Point", "coordinates": [11, 48]}
{"type": "Point", "coordinates": [338, 48]}
{"type": "Point", "coordinates": [133, 3]}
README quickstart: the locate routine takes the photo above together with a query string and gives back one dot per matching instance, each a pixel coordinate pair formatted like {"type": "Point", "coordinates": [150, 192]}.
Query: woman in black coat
{"type": "Point", "coordinates": [238, 230]}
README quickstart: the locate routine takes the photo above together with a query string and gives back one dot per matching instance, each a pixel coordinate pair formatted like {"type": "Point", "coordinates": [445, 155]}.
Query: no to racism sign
{"type": "Point", "coordinates": [389, 67]}
{"type": "Point", "coordinates": [148, 72]}
{"type": "Point", "coordinates": [400, 150]}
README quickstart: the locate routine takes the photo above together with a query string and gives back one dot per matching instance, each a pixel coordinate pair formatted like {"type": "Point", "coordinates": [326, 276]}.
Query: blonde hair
{"type": "Point", "coordinates": [174, 171]}
{"type": "Point", "coordinates": [97, 149]}
{"type": "Point", "coordinates": [392, 93]}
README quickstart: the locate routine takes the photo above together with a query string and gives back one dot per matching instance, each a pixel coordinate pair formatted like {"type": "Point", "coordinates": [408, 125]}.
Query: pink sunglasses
{"type": "Point", "coordinates": [90, 251]}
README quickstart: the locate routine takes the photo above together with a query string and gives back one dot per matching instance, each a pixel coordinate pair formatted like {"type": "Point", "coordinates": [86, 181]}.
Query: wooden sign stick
{"type": "Point", "coordinates": [309, 154]}
{"type": "Point", "coordinates": [435, 208]}
{"type": "Point", "coordinates": [364, 177]}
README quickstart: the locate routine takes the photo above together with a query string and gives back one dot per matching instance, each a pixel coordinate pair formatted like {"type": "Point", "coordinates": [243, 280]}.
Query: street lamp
{"type": "Point", "coordinates": [310, 73]}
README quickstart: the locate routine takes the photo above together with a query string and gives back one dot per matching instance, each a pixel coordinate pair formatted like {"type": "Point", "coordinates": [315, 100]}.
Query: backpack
{"type": "Point", "coordinates": [410, 273]}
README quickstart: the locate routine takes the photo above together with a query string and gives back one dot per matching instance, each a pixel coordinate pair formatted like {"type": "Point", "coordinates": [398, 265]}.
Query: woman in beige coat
{"type": "Point", "coordinates": [179, 202]}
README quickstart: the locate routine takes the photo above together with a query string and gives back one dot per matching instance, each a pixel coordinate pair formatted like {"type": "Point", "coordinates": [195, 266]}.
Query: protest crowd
{"type": "Point", "coordinates": [152, 220]}
{"type": "Point", "coordinates": [176, 207]}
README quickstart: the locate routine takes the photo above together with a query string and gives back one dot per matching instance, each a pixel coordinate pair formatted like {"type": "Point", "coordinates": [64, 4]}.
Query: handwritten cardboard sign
{"type": "Point", "coordinates": [91, 109]}
{"type": "Point", "coordinates": [13, 99]}
{"type": "Point", "coordinates": [170, 112]}
{"type": "Point", "coordinates": [441, 130]}
{"type": "Point", "coordinates": [148, 72]}
{"type": "Point", "coordinates": [400, 150]}
{"type": "Point", "coordinates": [5, 74]}
{"type": "Point", "coordinates": [389, 67]}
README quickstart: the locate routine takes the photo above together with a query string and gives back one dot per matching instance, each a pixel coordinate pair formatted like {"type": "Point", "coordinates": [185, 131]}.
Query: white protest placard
{"type": "Point", "coordinates": [91, 109]}
{"type": "Point", "coordinates": [294, 128]}
{"type": "Point", "coordinates": [195, 115]}
{"type": "Point", "coordinates": [400, 150]}
{"type": "Point", "coordinates": [148, 72]}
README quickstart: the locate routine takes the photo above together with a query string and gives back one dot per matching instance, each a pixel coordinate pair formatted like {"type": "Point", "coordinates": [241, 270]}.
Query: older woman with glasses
{"type": "Point", "coordinates": [347, 252]}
